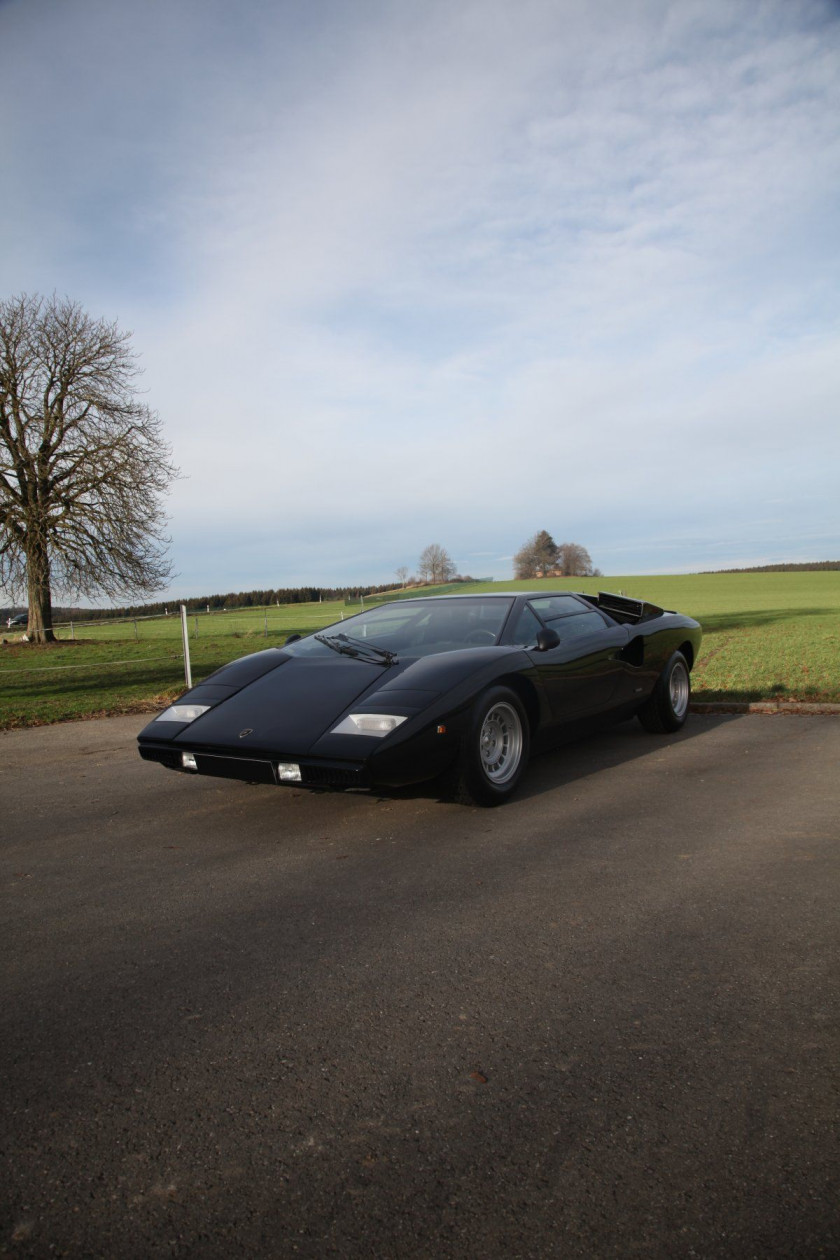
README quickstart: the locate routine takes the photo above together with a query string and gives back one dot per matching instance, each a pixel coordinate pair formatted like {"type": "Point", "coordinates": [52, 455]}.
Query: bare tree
{"type": "Point", "coordinates": [435, 564]}
{"type": "Point", "coordinates": [83, 465]}
{"type": "Point", "coordinates": [402, 573]}
{"type": "Point", "coordinates": [574, 560]}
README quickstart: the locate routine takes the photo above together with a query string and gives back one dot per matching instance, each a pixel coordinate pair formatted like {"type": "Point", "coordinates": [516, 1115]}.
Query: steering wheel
{"type": "Point", "coordinates": [481, 636]}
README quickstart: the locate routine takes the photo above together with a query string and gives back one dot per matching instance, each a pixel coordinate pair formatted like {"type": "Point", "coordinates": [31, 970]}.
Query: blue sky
{"type": "Point", "coordinates": [403, 273]}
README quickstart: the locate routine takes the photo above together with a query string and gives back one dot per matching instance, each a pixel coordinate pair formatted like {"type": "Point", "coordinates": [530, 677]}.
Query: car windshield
{"type": "Point", "coordinates": [412, 628]}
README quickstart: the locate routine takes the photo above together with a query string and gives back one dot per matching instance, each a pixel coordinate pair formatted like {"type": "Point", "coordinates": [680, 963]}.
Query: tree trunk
{"type": "Point", "coordinates": [40, 628]}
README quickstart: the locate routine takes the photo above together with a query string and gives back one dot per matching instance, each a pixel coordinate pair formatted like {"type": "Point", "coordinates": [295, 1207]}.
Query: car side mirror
{"type": "Point", "coordinates": [293, 638]}
{"type": "Point", "coordinates": [547, 639]}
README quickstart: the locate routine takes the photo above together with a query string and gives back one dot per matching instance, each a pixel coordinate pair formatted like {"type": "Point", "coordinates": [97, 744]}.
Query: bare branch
{"type": "Point", "coordinates": [435, 564]}
{"type": "Point", "coordinates": [83, 463]}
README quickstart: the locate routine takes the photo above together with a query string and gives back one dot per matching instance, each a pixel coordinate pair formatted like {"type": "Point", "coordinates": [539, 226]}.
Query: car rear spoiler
{"type": "Point", "coordinates": [623, 609]}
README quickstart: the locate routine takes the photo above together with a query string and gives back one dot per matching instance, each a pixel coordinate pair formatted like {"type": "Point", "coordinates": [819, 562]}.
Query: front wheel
{"type": "Point", "coordinates": [495, 749]}
{"type": "Point", "coordinates": [667, 708]}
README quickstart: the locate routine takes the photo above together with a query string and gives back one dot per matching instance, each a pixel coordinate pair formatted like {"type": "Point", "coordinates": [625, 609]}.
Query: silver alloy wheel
{"type": "Point", "coordinates": [500, 743]}
{"type": "Point", "coordinates": [679, 689]}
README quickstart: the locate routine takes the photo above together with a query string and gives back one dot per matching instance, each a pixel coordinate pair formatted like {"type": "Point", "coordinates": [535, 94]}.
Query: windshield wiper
{"type": "Point", "coordinates": [332, 642]}
{"type": "Point", "coordinates": [349, 646]}
{"type": "Point", "coordinates": [383, 654]}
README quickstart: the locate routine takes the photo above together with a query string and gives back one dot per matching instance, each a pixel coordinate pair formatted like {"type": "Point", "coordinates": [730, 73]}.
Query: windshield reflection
{"type": "Point", "coordinates": [410, 629]}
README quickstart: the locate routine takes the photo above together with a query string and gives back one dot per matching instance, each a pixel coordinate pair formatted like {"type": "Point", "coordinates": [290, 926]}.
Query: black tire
{"type": "Point", "coordinates": [667, 707]}
{"type": "Point", "coordinates": [495, 749]}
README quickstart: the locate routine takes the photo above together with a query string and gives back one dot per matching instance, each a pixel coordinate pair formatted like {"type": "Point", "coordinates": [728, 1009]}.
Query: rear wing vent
{"type": "Point", "coordinates": [625, 610]}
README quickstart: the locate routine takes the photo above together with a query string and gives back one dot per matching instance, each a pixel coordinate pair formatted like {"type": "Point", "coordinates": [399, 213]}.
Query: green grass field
{"type": "Point", "coordinates": [767, 636]}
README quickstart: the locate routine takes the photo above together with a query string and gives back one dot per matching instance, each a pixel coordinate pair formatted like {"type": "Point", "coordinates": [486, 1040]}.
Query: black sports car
{"type": "Point", "coordinates": [409, 690]}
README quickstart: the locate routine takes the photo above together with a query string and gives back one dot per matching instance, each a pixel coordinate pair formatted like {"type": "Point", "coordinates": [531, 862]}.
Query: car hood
{"type": "Point", "coordinates": [278, 704]}
{"type": "Point", "coordinates": [288, 708]}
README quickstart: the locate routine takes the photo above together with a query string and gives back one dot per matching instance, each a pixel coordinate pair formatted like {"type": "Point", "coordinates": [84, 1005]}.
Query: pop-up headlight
{"type": "Point", "coordinates": [182, 712]}
{"type": "Point", "coordinates": [377, 724]}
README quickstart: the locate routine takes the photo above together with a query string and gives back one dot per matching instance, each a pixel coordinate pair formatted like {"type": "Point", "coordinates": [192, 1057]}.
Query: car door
{"type": "Point", "coordinates": [581, 675]}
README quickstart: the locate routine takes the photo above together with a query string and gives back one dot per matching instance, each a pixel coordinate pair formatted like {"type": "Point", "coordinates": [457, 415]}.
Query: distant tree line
{"type": "Point", "coordinates": [542, 557]}
{"type": "Point", "coordinates": [216, 603]}
{"type": "Point", "coordinates": [435, 566]}
{"type": "Point", "coordinates": [812, 566]}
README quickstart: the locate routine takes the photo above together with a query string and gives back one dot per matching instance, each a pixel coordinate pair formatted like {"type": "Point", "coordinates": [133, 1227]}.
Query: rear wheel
{"type": "Point", "coordinates": [495, 749]}
{"type": "Point", "coordinates": [667, 708]}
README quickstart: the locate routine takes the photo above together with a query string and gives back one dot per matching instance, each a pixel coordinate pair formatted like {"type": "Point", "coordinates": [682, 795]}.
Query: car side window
{"type": "Point", "coordinates": [576, 627]}
{"type": "Point", "coordinates": [526, 627]}
{"type": "Point", "coordinates": [550, 607]}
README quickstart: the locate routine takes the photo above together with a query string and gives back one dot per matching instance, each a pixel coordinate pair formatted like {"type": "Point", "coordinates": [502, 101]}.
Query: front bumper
{"type": "Point", "coordinates": [314, 773]}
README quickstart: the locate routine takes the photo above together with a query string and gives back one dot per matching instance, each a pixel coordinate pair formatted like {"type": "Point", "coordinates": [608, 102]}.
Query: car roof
{"type": "Point", "coordinates": [410, 599]}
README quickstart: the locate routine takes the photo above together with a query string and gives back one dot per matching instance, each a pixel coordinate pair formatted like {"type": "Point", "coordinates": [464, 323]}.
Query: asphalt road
{"type": "Point", "coordinates": [599, 1021]}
